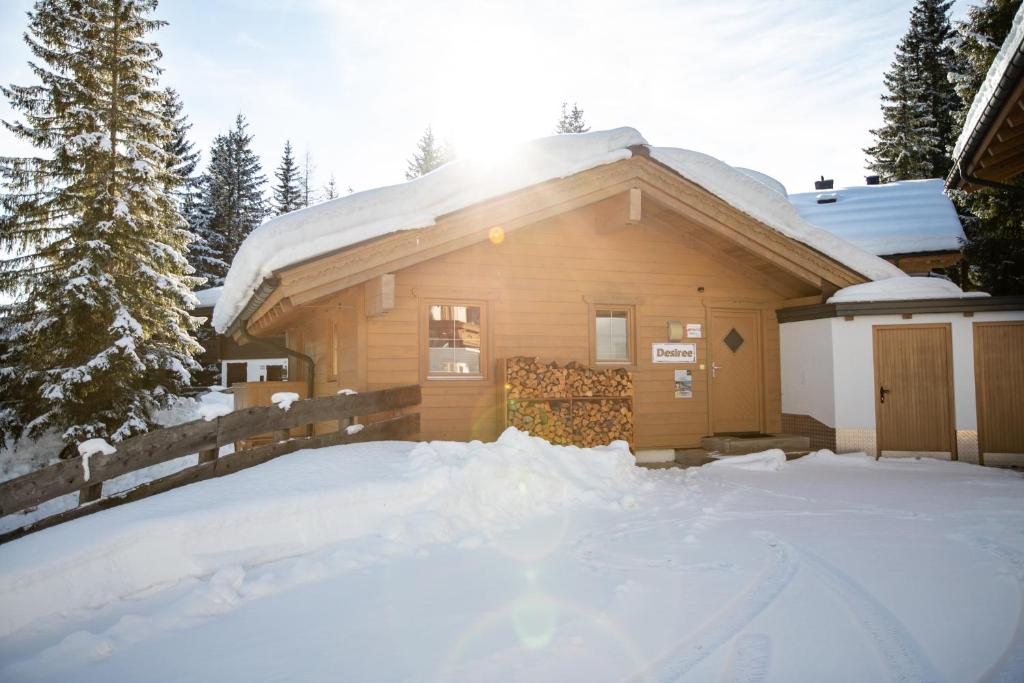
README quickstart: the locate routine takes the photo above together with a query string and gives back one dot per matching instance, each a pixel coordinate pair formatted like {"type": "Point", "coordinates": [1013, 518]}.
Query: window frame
{"type": "Point", "coordinates": [424, 341]}
{"type": "Point", "coordinates": [630, 311]}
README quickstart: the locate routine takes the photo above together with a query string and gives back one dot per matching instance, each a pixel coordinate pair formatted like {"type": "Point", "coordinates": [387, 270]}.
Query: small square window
{"type": "Point", "coordinates": [612, 333]}
{"type": "Point", "coordinates": [454, 340]}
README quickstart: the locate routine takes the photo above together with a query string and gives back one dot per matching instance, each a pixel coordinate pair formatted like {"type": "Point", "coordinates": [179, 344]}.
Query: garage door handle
{"type": "Point", "coordinates": [882, 391]}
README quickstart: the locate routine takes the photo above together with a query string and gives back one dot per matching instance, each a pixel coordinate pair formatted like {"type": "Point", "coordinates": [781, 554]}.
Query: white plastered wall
{"type": "Point", "coordinates": [836, 385]}
{"type": "Point", "coordinates": [255, 369]}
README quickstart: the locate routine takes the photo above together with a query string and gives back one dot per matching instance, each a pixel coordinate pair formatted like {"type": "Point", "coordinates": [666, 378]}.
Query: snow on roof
{"type": "Point", "coordinates": [208, 297]}
{"type": "Point", "coordinates": [903, 289]}
{"type": "Point", "coordinates": [895, 218]}
{"type": "Point", "coordinates": [764, 179]}
{"type": "Point", "coordinates": [307, 233]}
{"type": "Point", "coordinates": [1011, 47]}
{"type": "Point", "coordinates": [764, 203]}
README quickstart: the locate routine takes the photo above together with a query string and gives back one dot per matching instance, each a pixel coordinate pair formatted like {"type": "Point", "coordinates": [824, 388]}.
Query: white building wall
{"type": "Point", "coordinates": [809, 375]}
{"type": "Point", "coordinates": [255, 369]}
{"type": "Point", "coordinates": [808, 386]}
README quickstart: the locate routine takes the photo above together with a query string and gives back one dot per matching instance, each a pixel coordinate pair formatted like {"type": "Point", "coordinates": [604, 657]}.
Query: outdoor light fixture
{"type": "Point", "coordinates": [675, 331]}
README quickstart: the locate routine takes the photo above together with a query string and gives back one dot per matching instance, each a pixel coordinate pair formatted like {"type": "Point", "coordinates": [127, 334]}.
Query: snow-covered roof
{"type": "Point", "coordinates": [208, 297]}
{"type": "Point", "coordinates": [895, 218]}
{"type": "Point", "coordinates": [307, 233]}
{"type": "Point", "coordinates": [1011, 48]}
{"type": "Point", "coordinates": [903, 289]}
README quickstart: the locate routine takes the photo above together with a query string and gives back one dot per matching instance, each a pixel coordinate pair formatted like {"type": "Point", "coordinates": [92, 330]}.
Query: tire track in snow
{"type": "Point", "coordinates": [749, 663]}
{"type": "Point", "coordinates": [1010, 667]}
{"type": "Point", "coordinates": [731, 620]}
{"type": "Point", "coordinates": [900, 652]}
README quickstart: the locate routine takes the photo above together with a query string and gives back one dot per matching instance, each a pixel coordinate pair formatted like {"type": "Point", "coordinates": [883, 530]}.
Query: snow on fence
{"type": "Point", "coordinates": [206, 438]}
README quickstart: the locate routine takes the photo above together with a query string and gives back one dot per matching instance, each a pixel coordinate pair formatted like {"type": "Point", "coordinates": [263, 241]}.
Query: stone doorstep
{"type": "Point", "coordinates": [739, 445]}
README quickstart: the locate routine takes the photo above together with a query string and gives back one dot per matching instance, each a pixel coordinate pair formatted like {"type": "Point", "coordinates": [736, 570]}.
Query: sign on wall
{"type": "Point", "coordinates": [684, 384]}
{"type": "Point", "coordinates": [666, 352]}
{"type": "Point", "coordinates": [694, 330]}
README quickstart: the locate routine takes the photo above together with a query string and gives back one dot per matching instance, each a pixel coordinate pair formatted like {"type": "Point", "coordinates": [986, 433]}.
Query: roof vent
{"type": "Point", "coordinates": [871, 179]}
{"type": "Point", "coordinates": [827, 198]}
{"type": "Point", "coordinates": [823, 184]}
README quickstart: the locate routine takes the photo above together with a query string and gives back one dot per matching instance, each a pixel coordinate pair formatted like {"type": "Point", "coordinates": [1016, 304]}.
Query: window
{"type": "Point", "coordinates": [612, 332]}
{"type": "Point", "coordinates": [454, 338]}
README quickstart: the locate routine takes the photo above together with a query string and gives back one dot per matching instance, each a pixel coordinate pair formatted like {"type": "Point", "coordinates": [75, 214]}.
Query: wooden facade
{"type": "Point", "coordinates": [632, 239]}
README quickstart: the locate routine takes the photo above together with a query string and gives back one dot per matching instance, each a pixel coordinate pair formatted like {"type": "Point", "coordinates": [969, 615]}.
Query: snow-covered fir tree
{"type": "Point", "coordinates": [993, 219]}
{"type": "Point", "coordinates": [98, 335]}
{"type": "Point", "coordinates": [231, 203]}
{"type": "Point", "coordinates": [920, 103]}
{"type": "Point", "coordinates": [571, 120]}
{"type": "Point", "coordinates": [330, 189]}
{"type": "Point", "coordinates": [430, 154]}
{"type": "Point", "coordinates": [287, 191]}
{"type": "Point", "coordinates": [182, 157]}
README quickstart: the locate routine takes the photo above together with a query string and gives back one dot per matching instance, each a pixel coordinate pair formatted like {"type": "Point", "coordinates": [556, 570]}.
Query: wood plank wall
{"type": "Point", "coordinates": [539, 284]}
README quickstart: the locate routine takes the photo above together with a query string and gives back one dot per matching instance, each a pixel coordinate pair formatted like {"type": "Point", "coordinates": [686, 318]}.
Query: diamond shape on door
{"type": "Point", "coordinates": [733, 340]}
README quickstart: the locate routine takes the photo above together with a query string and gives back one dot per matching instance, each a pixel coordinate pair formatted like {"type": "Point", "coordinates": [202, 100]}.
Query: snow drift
{"type": "Point", "coordinates": [903, 289]}
{"type": "Point", "coordinates": [411, 494]}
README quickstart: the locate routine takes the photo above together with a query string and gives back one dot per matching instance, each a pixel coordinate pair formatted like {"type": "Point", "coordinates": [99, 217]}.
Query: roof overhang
{"type": "Point", "coordinates": [993, 149]}
{"type": "Point", "coordinates": [302, 284]}
{"type": "Point", "coordinates": [904, 307]}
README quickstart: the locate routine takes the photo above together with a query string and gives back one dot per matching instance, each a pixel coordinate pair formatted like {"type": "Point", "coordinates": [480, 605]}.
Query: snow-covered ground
{"type": "Point", "coordinates": [521, 561]}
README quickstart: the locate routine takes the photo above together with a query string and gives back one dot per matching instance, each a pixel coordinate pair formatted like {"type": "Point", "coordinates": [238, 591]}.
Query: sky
{"type": "Point", "coordinates": [789, 88]}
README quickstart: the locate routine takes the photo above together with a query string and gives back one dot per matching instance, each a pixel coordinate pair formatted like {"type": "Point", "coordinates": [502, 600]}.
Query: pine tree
{"type": "Point", "coordinates": [571, 120]}
{"type": "Point", "coordinates": [993, 219]}
{"type": "Point", "coordinates": [919, 107]}
{"type": "Point", "coordinates": [98, 335]}
{"type": "Point", "coordinates": [231, 203]}
{"type": "Point", "coordinates": [429, 156]}
{"type": "Point", "coordinates": [331, 189]}
{"type": "Point", "coordinates": [182, 158]}
{"type": "Point", "coordinates": [287, 192]}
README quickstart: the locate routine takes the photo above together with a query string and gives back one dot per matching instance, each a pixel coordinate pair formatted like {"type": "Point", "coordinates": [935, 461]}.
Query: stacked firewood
{"type": "Point", "coordinates": [600, 421]}
{"type": "Point", "coordinates": [571, 404]}
{"type": "Point", "coordinates": [526, 378]}
{"type": "Point", "coordinates": [550, 420]}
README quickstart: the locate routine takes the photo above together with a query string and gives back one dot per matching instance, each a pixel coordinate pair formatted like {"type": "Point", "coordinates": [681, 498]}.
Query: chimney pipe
{"type": "Point", "coordinates": [823, 184]}
{"type": "Point", "coordinates": [872, 179]}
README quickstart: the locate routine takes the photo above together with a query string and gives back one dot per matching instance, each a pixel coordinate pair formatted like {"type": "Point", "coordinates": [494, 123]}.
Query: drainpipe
{"type": "Point", "coordinates": [974, 180]}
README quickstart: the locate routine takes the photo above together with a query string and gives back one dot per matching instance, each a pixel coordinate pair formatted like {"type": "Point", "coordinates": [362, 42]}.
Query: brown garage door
{"type": "Point", "coordinates": [914, 388]}
{"type": "Point", "coordinates": [999, 383]}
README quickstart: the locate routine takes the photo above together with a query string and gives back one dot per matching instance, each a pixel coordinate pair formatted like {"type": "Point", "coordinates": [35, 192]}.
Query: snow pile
{"type": "Point", "coordinates": [892, 218]}
{"type": "Point", "coordinates": [298, 235]}
{"type": "Point", "coordinates": [766, 461]}
{"type": "Point", "coordinates": [903, 289]}
{"type": "Point", "coordinates": [214, 404]}
{"type": "Point", "coordinates": [91, 447]}
{"type": "Point", "coordinates": [347, 392]}
{"type": "Point", "coordinates": [764, 203]}
{"type": "Point", "coordinates": [439, 492]}
{"type": "Point", "coordinates": [284, 399]}
{"type": "Point", "coordinates": [328, 226]}
{"type": "Point", "coordinates": [1011, 47]}
{"type": "Point", "coordinates": [353, 429]}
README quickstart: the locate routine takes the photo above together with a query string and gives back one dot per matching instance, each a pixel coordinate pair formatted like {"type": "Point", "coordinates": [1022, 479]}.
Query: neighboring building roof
{"type": "Point", "coordinates": [998, 94]}
{"type": "Point", "coordinates": [312, 232]}
{"type": "Point", "coordinates": [905, 217]}
{"type": "Point", "coordinates": [903, 289]}
{"type": "Point", "coordinates": [208, 297]}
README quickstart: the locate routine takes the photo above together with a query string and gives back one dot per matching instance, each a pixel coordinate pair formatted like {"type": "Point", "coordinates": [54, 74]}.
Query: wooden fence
{"type": "Point", "coordinates": [206, 438]}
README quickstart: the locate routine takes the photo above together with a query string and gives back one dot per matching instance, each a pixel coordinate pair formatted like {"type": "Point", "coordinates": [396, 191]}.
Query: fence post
{"type": "Point", "coordinates": [90, 493]}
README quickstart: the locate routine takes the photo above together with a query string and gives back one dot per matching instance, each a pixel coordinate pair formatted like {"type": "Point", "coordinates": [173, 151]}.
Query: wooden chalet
{"type": "Point", "coordinates": [596, 269]}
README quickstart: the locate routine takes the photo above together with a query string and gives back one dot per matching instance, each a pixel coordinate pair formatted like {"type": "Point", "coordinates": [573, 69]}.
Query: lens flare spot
{"type": "Point", "coordinates": [535, 620]}
{"type": "Point", "coordinates": [496, 234]}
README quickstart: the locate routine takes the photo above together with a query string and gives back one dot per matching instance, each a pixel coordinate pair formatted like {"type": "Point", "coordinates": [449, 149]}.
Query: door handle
{"type": "Point", "coordinates": [882, 391]}
{"type": "Point", "coordinates": [714, 370]}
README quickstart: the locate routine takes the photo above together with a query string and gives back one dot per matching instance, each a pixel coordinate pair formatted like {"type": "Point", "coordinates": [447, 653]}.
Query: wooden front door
{"type": "Point", "coordinates": [913, 388]}
{"type": "Point", "coordinates": [999, 385]}
{"type": "Point", "coordinates": [734, 351]}
{"type": "Point", "coordinates": [237, 372]}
